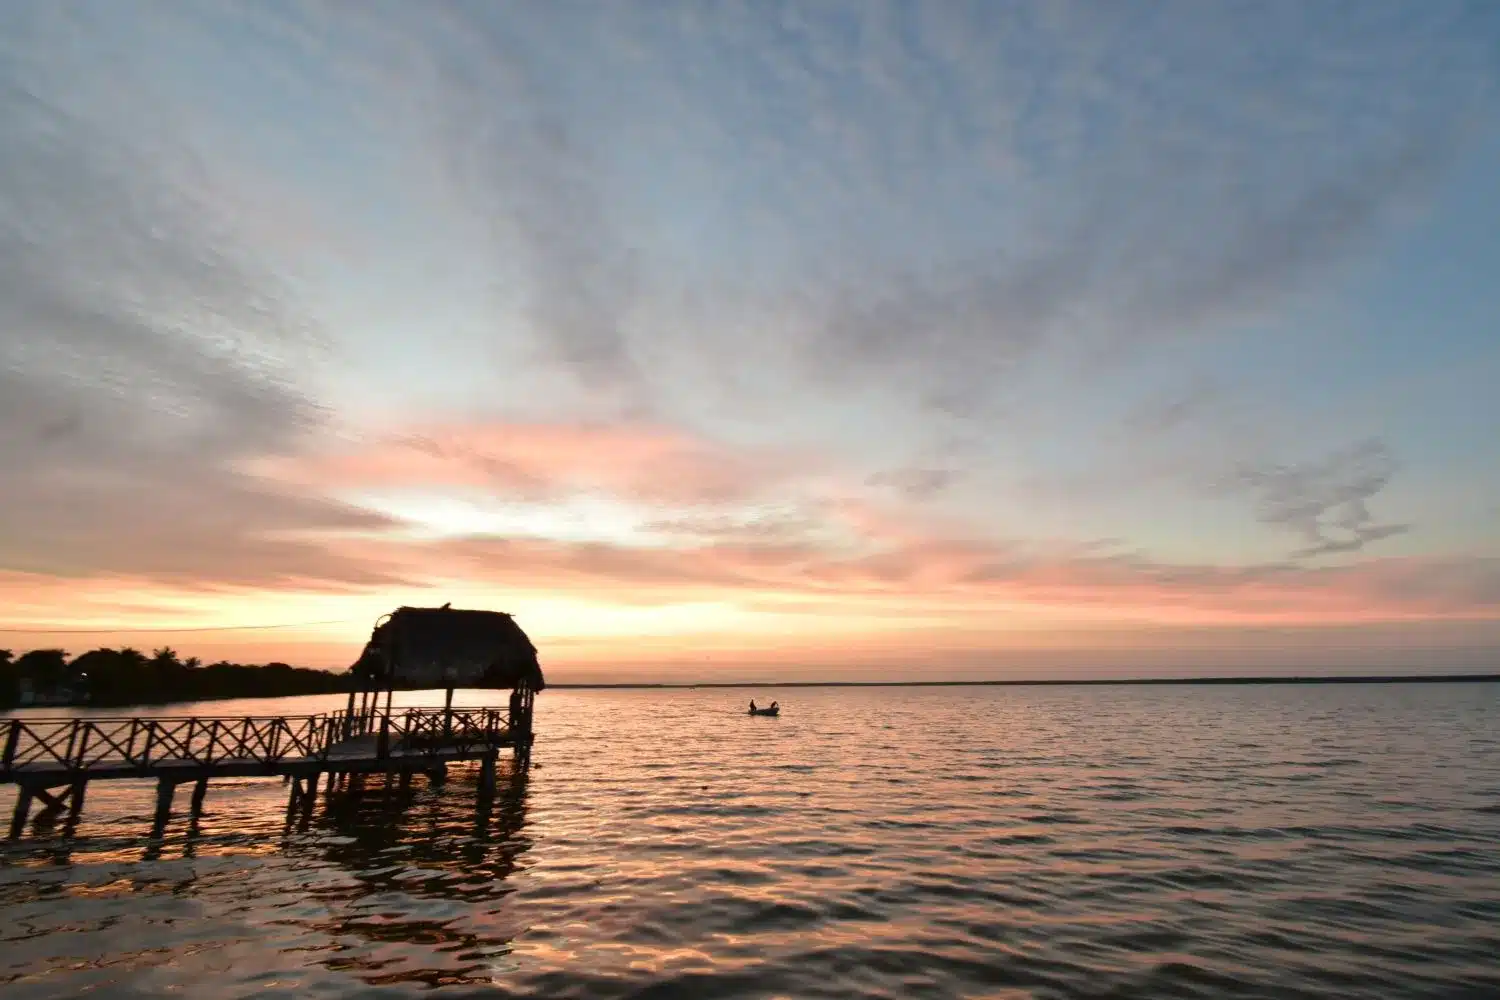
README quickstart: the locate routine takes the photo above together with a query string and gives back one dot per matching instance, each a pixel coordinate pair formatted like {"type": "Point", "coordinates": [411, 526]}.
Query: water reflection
{"type": "Point", "coordinates": [444, 840]}
{"type": "Point", "coordinates": [426, 864]}
{"type": "Point", "coordinates": [384, 884]}
{"type": "Point", "coordinates": [1202, 843]}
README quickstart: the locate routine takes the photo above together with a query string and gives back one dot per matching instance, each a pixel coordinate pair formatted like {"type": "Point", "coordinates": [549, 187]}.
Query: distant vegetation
{"type": "Point", "coordinates": [116, 677]}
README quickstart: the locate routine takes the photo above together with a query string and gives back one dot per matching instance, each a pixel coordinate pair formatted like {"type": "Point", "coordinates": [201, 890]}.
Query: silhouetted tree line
{"type": "Point", "coordinates": [113, 677]}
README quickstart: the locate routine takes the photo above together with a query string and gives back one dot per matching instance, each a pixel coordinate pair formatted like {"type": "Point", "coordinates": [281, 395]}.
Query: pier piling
{"type": "Point", "coordinates": [22, 810]}
{"type": "Point", "coordinates": [75, 804]}
{"type": "Point", "coordinates": [165, 789]}
{"type": "Point", "coordinates": [200, 789]}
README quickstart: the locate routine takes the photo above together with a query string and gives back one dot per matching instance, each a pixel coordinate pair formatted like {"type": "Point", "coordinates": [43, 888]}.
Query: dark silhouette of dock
{"type": "Point", "coordinates": [53, 760]}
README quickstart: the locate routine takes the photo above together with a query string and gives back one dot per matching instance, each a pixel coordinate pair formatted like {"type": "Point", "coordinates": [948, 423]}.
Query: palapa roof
{"type": "Point", "coordinates": [450, 647]}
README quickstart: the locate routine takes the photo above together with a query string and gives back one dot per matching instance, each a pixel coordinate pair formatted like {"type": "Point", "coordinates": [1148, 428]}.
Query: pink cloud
{"type": "Point", "coordinates": [968, 580]}
{"type": "Point", "coordinates": [537, 462]}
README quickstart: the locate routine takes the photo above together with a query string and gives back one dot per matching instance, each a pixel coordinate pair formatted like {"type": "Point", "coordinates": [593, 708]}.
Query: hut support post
{"type": "Point", "coordinates": [311, 797]}
{"type": "Point", "coordinates": [448, 714]}
{"type": "Point", "coordinates": [487, 772]}
{"type": "Point", "coordinates": [485, 798]}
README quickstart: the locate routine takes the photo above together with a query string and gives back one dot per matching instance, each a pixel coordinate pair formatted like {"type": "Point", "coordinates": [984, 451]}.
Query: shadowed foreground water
{"type": "Point", "coordinates": [1013, 842]}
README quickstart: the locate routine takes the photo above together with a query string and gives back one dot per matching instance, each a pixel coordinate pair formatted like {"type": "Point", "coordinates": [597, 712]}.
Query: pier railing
{"type": "Point", "coordinates": [416, 729]}
{"type": "Point", "coordinates": [144, 744]}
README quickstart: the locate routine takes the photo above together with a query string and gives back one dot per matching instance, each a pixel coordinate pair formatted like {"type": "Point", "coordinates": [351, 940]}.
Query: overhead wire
{"type": "Point", "coordinates": [169, 631]}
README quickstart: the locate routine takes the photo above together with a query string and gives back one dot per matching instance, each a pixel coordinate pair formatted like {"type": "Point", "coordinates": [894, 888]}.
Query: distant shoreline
{"type": "Point", "coordinates": [1085, 682]}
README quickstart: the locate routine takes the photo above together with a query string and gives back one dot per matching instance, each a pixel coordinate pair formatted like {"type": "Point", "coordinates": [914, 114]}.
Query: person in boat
{"type": "Point", "coordinates": [752, 704]}
{"type": "Point", "coordinates": [774, 706]}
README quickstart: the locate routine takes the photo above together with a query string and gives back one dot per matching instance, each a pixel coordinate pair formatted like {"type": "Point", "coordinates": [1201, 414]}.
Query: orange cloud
{"type": "Point", "coordinates": [722, 607]}
{"type": "Point", "coordinates": [738, 554]}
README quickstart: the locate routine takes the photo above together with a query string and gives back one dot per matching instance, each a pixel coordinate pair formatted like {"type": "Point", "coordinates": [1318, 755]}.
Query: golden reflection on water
{"type": "Point", "coordinates": [978, 842]}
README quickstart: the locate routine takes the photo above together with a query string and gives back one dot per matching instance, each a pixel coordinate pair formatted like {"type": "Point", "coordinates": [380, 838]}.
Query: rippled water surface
{"type": "Point", "coordinates": [1115, 842]}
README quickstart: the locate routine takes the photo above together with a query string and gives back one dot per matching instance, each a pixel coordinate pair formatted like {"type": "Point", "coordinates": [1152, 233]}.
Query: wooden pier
{"type": "Point", "coordinates": [53, 760]}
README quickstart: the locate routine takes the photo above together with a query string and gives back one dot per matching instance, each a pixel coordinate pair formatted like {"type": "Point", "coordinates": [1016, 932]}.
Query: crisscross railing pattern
{"type": "Point", "coordinates": [417, 728]}
{"type": "Point", "coordinates": [42, 744]}
{"type": "Point", "coordinates": [83, 744]}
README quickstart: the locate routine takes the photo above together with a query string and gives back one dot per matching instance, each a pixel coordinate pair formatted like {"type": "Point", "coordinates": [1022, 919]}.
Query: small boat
{"type": "Point", "coordinates": [773, 710]}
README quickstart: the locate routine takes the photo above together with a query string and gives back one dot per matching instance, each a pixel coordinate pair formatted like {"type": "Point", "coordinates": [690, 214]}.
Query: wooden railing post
{"type": "Point", "coordinates": [83, 743]}
{"type": "Point", "coordinates": [383, 744]}
{"type": "Point", "coordinates": [130, 743]}
{"type": "Point", "coordinates": [150, 739]}
{"type": "Point", "coordinates": [72, 742]}
{"type": "Point", "coordinates": [11, 739]}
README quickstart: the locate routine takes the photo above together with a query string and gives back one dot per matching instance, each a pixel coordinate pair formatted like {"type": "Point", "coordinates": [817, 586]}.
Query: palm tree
{"type": "Point", "coordinates": [165, 657]}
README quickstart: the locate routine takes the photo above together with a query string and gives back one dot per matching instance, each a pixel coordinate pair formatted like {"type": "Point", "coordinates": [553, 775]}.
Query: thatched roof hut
{"type": "Point", "coordinates": [446, 647]}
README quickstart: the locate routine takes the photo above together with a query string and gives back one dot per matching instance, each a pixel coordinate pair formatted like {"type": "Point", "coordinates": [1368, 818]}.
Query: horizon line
{"type": "Point", "coordinates": [1054, 682]}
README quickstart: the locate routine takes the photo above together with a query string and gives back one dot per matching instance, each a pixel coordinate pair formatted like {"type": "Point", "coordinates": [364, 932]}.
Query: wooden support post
{"type": "Point", "coordinates": [22, 810]}
{"type": "Point", "coordinates": [75, 803]}
{"type": "Point", "coordinates": [200, 789]}
{"type": "Point", "coordinates": [383, 742]}
{"type": "Point", "coordinates": [165, 788]}
{"type": "Point", "coordinates": [484, 799]}
{"type": "Point", "coordinates": [405, 778]}
{"type": "Point", "coordinates": [487, 772]}
{"type": "Point", "coordinates": [312, 792]}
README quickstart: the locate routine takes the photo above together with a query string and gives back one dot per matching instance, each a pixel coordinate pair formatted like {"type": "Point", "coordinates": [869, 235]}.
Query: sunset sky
{"type": "Point", "coordinates": [722, 340]}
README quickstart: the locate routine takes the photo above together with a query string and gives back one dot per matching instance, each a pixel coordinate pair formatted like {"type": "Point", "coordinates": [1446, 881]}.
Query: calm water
{"type": "Point", "coordinates": [1012, 842]}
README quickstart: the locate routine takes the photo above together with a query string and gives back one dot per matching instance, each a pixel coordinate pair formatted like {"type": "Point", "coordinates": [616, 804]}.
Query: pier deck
{"type": "Point", "coordinates": [44, 754]}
